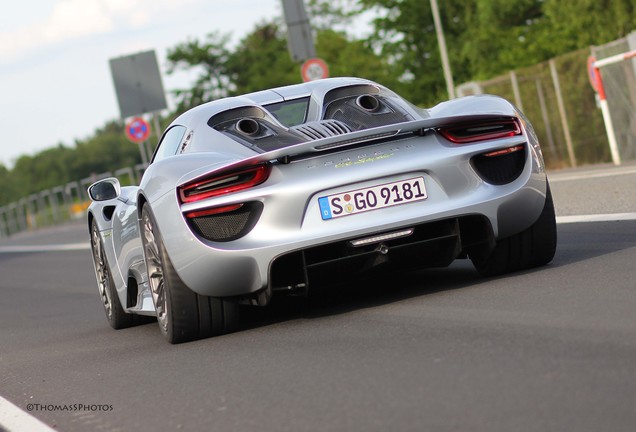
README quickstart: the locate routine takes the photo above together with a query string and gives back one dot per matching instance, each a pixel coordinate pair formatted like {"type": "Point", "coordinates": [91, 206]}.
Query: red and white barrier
{"type": "Point", "coordinates": [597, 82]}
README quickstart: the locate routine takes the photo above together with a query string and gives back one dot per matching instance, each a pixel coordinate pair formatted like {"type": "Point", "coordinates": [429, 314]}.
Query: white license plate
{"type": "Point", "coordinates": [372, 198]}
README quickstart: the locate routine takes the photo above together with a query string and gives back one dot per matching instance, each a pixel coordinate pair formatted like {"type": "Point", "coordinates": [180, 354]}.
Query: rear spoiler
{"type": "Point", "coordinates": [314, 148]}
{"type": "Point", "coordinates": [367, 136]}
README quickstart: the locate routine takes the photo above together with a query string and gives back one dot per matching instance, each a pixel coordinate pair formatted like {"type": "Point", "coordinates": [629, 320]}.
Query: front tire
{"type": "Point", "coordinates": [182, 314]}
{"type": "Point", "coordinates": [115, 314]}
{"type": "Point", "coordinates": [533, 247]}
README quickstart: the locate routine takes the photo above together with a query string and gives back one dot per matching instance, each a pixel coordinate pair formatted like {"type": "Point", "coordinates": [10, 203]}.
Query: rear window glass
{"type": "Point", "coordinates": [169, 143]}
{"type": "Point", "coordinates": [289, 113]}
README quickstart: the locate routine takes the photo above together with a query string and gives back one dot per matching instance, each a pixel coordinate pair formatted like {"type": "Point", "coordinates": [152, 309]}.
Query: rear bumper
{"type": "Point", "coordinates": [291, 245]}
{"type": "Point", "coordinates": [431, 244]}
{"type": "Point", "coordinates": [437, 239]}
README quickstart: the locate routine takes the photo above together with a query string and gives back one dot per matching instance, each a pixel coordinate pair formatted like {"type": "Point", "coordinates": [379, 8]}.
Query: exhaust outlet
{"type": "Point", "coordinates": [368, 103]}
{"type": "Point", "coordinates": [248, 126]}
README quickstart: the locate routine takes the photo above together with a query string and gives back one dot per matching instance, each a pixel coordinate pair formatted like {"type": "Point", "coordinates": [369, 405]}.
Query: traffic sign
{"type": "Point", "coordinates": [138, 84]}
{"type": "Point", "coordinates": [314, 69]}
{"type": "Point", "coordinates": [137, 130]}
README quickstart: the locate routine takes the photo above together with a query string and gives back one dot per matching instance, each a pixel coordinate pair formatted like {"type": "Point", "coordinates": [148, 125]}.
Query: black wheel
{"type": "Point", "coordinates": [533, 247]}
{"type": "Point", "coordinates": [115, 314]}
{"type": "Point", "coordinates": [182, 314]}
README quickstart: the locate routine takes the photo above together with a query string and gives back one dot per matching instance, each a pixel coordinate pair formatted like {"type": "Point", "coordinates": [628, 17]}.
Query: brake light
{"type": "Point", "coordinates": [225, 183]}
{"type": "Point", "coordinates": [467, 133]}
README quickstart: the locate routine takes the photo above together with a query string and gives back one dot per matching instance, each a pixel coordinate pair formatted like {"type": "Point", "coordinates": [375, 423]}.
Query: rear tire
{"type": "Point", "coordinates": [115, 314]}
{"type": "Point", "coordinates": [182, 314]}
{"type": "Point", "coordinates": [533, 247]}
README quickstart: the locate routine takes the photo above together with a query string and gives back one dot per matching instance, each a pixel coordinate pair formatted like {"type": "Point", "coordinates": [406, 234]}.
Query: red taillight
{"type": "Point", "coordinates": [467, 133]}
{"type": "Point", "coordinates": [224, 183]}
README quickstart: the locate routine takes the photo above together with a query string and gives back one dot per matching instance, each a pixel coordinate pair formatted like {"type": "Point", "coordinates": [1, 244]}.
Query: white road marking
{"type": "Point", "coordinates": [609, 217]}
{"type": "Point", "coordinates": [45, 248]}
{"type": "Point", "coordinates": [613, 217]}
{"type": "Point", "coordinates": [611, 172]}
{"type": "Point", "coordinates": [13, 419]}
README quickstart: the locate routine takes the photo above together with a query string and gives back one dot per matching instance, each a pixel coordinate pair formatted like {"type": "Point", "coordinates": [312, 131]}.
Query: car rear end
{"type": "Point", "coordinates": [408, 195]}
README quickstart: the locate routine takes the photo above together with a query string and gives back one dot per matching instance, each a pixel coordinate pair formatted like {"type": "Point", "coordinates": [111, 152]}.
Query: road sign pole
{"type": "Point", "coordinates": [144, 156]}
{"type": "Point", "coordinates": [448, 75]}
{"type": "Point", "coordinates": [300, 40]}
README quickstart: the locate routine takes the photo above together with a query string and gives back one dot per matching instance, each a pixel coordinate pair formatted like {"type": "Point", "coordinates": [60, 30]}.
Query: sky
{"type": "Point", "coordinates": [55, 80]}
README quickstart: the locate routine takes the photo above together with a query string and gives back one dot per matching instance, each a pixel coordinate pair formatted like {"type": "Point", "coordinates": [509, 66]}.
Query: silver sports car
{"type": "Point", "coordinates": [282, 190]}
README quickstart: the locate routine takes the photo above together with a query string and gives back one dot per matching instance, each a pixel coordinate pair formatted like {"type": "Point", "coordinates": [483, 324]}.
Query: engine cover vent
{"type": "Point", "coordinates": [321, 129]}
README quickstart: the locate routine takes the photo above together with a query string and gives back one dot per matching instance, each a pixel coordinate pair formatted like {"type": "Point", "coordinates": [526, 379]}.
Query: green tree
{"type": "Point", "coordinates": [9, 190]}
{"type": "Point", "coordinates": [261, 61]}
{"type": "Point", "coordinates": [575, 24]}
{"type": "Point", "coordinates": [487, 37]}
{"type": "Point", "coordinates": [352, 57]}
{"type": "Point", "coordinates": [404, 35]}
{"type": "Point", "coordinates": [484, 37]}
{"type": "Point", "coordinates": [210, 58]}
{"type": "Point", "coordinates": [43, 170]}
{"type": "Point", "coordinates": [494, 36]}
{"type": "Point", "coordinates": [107, 150]}
{"type": "Point", "coordinates": [332, 14]}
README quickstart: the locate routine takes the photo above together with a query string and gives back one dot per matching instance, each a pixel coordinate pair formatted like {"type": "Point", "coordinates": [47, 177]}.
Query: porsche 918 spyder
{"type": "Point", "coordinates": [286, 189]}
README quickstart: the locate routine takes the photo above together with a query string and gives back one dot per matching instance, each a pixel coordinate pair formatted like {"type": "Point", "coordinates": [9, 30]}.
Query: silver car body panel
{"type": "Point", "coordinates": [290, 218]}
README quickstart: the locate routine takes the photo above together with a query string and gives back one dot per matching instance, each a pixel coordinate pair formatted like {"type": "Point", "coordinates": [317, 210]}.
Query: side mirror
{"type": "Point", "coordinates": [104, 190]}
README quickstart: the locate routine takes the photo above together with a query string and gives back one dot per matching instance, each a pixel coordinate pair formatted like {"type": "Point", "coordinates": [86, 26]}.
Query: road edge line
{"type": "Point", "coordinates": [14, 419]}
{"type": "Point", "coordinates": [611, 217]}
{"type": "Point", "coordinates": [45, 248]}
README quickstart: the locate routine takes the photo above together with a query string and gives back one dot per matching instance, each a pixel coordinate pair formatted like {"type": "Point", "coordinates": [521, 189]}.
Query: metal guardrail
{"type": "Point", "coordinates": [57, 204]}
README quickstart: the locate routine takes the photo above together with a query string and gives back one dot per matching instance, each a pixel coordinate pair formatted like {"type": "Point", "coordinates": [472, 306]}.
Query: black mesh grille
{"type": "Point", "coordinates": [501, 169]}
{"type": "Point", "coordinates": [227, 226]}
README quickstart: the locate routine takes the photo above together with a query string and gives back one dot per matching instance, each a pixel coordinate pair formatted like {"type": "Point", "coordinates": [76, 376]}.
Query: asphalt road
{"type": "Point", "coordinates": [553, 349]}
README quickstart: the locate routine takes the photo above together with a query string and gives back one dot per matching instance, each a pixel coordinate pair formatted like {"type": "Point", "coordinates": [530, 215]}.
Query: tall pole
{"type": "Point", "coordinates": [300, 40]}
{"type": "Point", "coordinates": [448, 76]}
{"type": "Point", "coordinates": [562, 113]}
